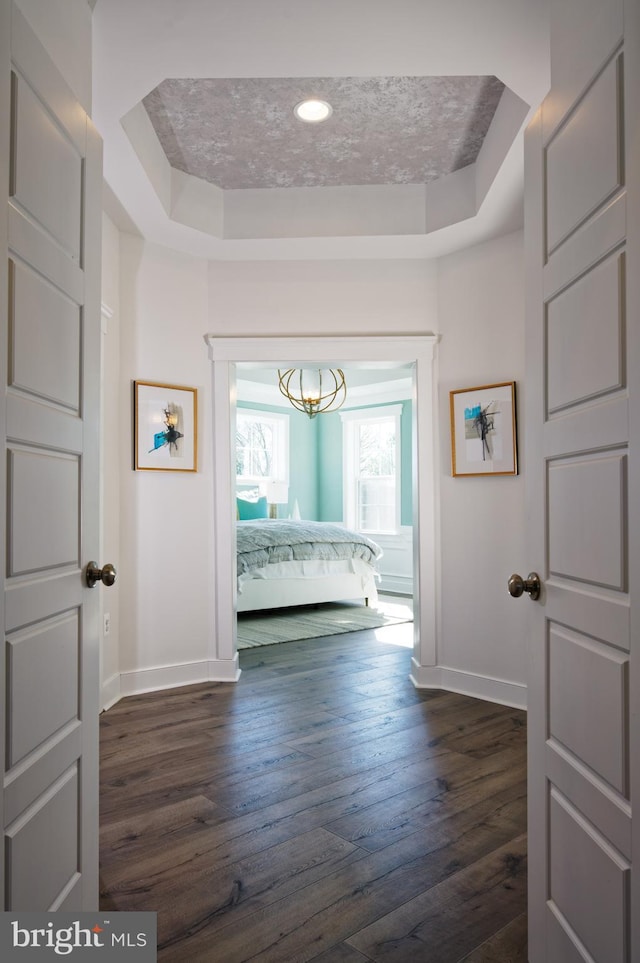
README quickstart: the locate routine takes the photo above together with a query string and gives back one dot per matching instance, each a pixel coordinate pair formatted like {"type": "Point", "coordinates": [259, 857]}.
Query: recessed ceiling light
{"type": "Point", "coordinates": [313, 111]}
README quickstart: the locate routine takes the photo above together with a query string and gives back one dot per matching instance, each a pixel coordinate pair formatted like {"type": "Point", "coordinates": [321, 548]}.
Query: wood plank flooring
{"type": "Point", "coordinates": [320, 809]}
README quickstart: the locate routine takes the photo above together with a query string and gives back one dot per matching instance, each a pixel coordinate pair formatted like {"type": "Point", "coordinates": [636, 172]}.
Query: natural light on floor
{"type": "Point", "coordinates": [396, 607]}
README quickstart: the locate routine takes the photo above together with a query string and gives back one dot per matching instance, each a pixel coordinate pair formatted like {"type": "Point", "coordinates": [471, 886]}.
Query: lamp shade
{"type": "Point", "coordinates": [277, 493]}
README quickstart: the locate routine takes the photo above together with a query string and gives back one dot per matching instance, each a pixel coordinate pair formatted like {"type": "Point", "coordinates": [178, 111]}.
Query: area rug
{"type": "Point", "coordinates": [293, 624]}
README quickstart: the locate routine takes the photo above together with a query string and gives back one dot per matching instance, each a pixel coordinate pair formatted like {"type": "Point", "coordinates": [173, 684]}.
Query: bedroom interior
{"type": "Point", "coordinates": [313, 483]}
{"type": "Point", "coordinates": [414, 355]}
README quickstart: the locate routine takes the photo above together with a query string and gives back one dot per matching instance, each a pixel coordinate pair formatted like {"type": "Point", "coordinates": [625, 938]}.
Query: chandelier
{"type": "Point", "coordinates": [313, 390]}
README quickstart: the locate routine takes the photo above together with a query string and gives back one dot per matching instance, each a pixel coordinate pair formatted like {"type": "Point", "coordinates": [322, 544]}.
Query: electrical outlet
{"type": "Point", "coordinates": [107, 622]}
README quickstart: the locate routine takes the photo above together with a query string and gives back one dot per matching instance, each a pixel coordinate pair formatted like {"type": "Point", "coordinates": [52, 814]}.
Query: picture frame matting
{"type": "Point", "coordinates": [483, 430]}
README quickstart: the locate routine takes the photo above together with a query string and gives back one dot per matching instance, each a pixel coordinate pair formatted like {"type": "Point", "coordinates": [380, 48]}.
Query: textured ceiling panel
{"type": "Point", "coordinates": [242, 133]}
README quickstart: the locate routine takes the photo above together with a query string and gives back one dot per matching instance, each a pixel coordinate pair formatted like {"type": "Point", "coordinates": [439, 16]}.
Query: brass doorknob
{"type": "Point", "coordinates": [106, 574]}
{"type": "Point", "coordinates": [517, 585]}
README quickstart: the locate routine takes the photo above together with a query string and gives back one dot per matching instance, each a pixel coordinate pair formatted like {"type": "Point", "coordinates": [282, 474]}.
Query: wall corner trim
{"type": "Point", "coordinates": [110, 692]}
{"type": "Point", "coordinates": [504, 693]}
{"type": "Point", "coordinates": [139, 681]}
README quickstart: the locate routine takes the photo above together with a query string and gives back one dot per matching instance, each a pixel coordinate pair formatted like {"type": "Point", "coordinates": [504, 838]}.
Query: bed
{"type": "Point", "coordinates": [288, 562]}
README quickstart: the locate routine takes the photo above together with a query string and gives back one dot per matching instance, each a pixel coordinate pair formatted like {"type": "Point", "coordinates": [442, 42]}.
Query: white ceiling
{"type": "Point", "coordinates": [372, 48]}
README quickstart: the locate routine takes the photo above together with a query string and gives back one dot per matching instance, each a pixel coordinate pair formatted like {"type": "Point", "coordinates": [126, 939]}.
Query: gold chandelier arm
{"type": "Point", "coordinates": [316, 402]}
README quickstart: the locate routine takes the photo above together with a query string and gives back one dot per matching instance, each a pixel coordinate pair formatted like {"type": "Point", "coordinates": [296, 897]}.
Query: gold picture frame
{"type": "Point", "coordinates": [483, 430]}
{"type": "Point", "coordinates": [165, 427]}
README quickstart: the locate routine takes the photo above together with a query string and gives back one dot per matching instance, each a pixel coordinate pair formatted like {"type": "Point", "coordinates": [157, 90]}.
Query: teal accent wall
{"type": "Point", "coordinates": [315, 463]}
{"type": "Point", "coordinates": [406, 464]}
{"type": "Point", "coordinates": [303, 464]}
{"type": "Point", "coordinates": [329, 467]}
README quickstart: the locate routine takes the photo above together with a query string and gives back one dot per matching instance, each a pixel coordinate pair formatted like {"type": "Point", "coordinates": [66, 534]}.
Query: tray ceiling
{"type": "Point", "coordinates": [241, 133]}
{"type": "Point", "coordinates": [421, 156]}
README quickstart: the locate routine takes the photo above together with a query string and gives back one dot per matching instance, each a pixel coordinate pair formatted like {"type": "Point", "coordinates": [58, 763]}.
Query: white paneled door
{"type": "Point", "coordinates": [582, 178]}
{"type": "Point", "coordinates": [51, 168]}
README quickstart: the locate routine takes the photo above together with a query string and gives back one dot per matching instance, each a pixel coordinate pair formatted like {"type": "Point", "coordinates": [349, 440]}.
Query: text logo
{"type": "Point", "coordinates": [41, 936]}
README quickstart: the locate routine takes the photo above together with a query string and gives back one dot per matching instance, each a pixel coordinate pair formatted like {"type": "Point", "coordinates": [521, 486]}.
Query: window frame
{"type": "Point", "coordinates": [280, 454]}
{"type": "Point", "coordinates": [351, 421]}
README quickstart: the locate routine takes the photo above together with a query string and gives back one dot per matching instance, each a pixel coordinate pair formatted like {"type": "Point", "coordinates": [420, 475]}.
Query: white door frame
{"type": "Point", "coordinates": [417, 351]}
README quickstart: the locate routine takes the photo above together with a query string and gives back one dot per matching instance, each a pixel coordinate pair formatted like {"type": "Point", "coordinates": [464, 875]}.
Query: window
{"type": "Point", "coordinates": [372, 468]}
{"type": "Point", "coordinates": [262, 446]}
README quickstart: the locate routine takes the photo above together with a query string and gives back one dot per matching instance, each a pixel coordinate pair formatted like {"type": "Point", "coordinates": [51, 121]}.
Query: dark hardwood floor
{"type": "Point", "coordinates": [321, 809]}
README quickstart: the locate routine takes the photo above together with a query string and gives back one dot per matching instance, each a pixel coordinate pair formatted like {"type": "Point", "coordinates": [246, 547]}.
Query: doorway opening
{"type": "Point", "coordinates": [351, 467]}
{"type": "Point", "coordinates": [415, 353]}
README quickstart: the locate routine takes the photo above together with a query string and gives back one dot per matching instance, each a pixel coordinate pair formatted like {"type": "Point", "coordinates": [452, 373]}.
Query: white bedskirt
{"type": "Point", "coordinates": [306, 583]}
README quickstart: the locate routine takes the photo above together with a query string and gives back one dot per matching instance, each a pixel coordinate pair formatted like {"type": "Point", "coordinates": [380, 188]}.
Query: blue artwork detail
{"type": "Point", "coordinates": [171, 435]}
{"type": "Point", "coordinates": [479, 423]}
{"type": "Point", "coordinates": [470, 414]}
{"type": "Point", "coordinates": [159, 439]}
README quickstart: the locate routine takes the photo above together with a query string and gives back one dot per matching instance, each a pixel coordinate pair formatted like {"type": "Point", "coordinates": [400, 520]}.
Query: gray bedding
{"type": "Point", "coordinates": [268, 540]}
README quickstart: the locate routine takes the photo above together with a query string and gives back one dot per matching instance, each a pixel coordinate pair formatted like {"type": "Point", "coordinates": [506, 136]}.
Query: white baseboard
{"type": "Point", "coordinates": [396, 565]}
{"type": "Point", "coordinates": [396, 584]}
{"type": "Point", "coordinates": [468, 683]}
{"type": "Point", "coordinates": [110, 692]}
{"type": "Point", "coordinates": [172, 676]}
{"type": "Point", "coordinates": [228, 670]}
{"type": "Point", "coordinates": [224, 670]}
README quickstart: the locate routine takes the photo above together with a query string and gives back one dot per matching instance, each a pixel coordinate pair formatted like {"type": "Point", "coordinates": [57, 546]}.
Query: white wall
{"type": "Point", "coordinates": [167, 303]}
{"type": "Point", "coordinates": [475, 300]}
{"type": "Point", "coordinates": [64, 29]}
{"type": "Point", "coordinates": [164, 302]}
{"type": "Point", "coordinates": [481, 319]}
{"type": "Point", "coordinates": [169, 300]}
{"type": "Point", "coordinates": [165, 559]}
{"type": "Point", "coordinates": [296, 298]}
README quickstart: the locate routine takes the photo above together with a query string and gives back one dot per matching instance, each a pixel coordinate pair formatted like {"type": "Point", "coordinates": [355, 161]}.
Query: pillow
{"type": "Point", "coordinates": [251, 506]}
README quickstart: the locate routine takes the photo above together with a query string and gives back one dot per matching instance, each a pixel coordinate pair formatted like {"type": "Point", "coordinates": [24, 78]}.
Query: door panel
{"type": "Point", "coordinates": [590, 892]}
{"type": "Point", "coordinates": [581, 673]}
{"type": "Point", "coordinates": [589, 139]}
{"type": "Point", "coordinates": [561, 946]}
{"type": "Point", "coordinates": [582, 676]}
{"type": "Point", "coordinates": [31, 843]}
{"type": "Point", "coordinates": [585, 33]}
{"type": "Point", "coordinates": [55, 264]}
{"type": "Point", "coordinates": [41, 316]}
{"type": "Point", "coordinates": [43, 510]}
{"type": "Point", "coordinates": [584, 336]}
{"type": "Point", "coordinates": [608, 810]}
{"type": "Point", "coordinates": [587, 518]}
{"type": "Point", "coordinates": [28, 784]}
{"type": "Point", "coordinates": [44, 656]}
{"type": "Point", "coordinates": [52, 479]}
{"type": "Point", "coordinates": [36, 135]}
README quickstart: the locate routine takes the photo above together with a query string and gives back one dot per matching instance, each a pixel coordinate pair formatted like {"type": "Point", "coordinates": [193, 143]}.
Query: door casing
{"type": "Point", "coordinates": [417, 352]}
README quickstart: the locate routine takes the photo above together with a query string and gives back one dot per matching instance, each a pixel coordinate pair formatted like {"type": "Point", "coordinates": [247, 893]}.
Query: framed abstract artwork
{"type": "Point", "coordinates": [483, 430]}
{"type": "Point", "coordinates": [165, 420]}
